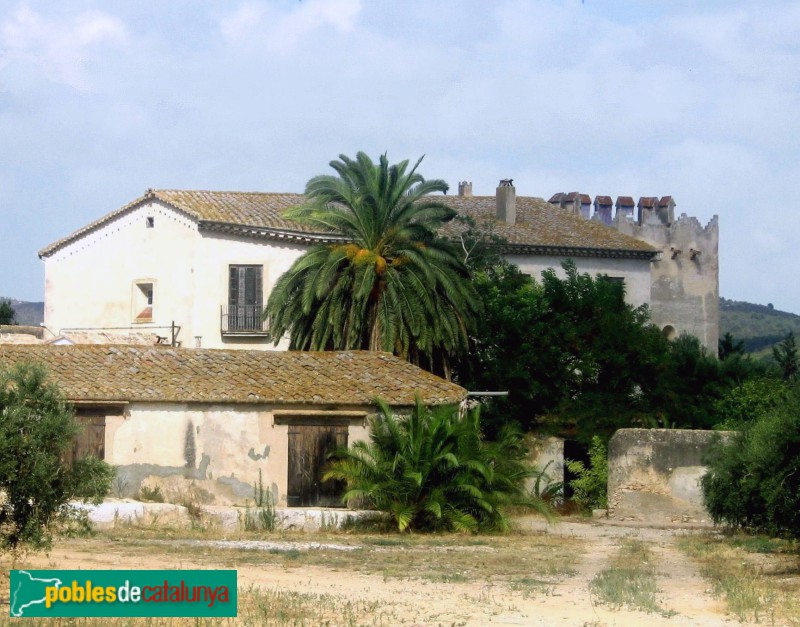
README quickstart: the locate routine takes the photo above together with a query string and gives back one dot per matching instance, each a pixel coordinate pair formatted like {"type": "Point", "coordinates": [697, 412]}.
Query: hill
{"type": "Point", "coordinates": [31, 314]}
{"type": "Point", "coordinates": [759, 326]}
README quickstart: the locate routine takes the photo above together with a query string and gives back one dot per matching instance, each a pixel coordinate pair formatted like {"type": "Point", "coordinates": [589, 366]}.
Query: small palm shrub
{"type": "Point", "coordinates": [433, 471]}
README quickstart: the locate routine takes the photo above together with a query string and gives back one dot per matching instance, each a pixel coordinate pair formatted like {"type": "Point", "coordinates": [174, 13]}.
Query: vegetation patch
{"type": "Point", "coordinates": [732, 565]}
{"type": "Point", "coordinates": [630, 581]}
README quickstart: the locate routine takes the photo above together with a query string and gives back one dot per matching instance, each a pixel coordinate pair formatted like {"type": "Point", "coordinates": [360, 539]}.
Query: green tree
{"type": "Point", "coordinates": [785, 354]}
{"type": "Point", "coordinates": [573, 355]}
{"type": "Point", "coordinates": [432, 470]}
{"type": "Point", "coordinates": [728, 346]}
{"type": "Point", "coordinates": [753, 481]}
{"type": "Point", "coordinates": [392, 284]}
{"type": "Point", "coordinates": [7, 313]}
{"type": "Point", "coordinates": [37, 429]}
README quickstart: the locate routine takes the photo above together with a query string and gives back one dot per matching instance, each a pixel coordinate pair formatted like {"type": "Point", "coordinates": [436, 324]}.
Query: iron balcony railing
{"type": "Point", "coordinates": [242, 320]}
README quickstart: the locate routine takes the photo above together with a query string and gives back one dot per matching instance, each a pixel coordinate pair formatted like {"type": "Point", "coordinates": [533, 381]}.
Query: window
{"type": "Point", "coordinates": [143, 302]}
{"type": "Point", "coordinates": [150, 222]}
{"type": "Point", "coordinates": [245, 298]}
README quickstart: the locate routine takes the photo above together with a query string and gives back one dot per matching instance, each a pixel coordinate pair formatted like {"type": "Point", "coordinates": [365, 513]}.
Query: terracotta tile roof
{"type": "Point", "coordinates": [539, 224]}
{"type": "Point", "coordinates": [625, 201]}
{"type": "Point", "coordinates": [603, 200]}
{"type": "Point", "coordinates": [665, 200]}
{"type": "Point", "coordinates": [106, 337]}
{"type": "Point", "coordinates": [164, 374]}
{"type": "Point", "coordinates": [585, 199]}
{"type": "Point", "coordinates": [648, 201]}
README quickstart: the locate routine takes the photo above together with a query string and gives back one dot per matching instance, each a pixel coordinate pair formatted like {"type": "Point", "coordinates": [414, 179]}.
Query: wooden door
{"type": "Point", "coordinates": [309, 445]}
{"type": "Point", "coordinates": [92, 437]}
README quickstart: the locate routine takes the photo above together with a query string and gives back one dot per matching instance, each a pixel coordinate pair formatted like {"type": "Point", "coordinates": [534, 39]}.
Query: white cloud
{"type": "Point", "coordinates": [283, 31]}
{"type": "Point", "coordinates": [60, 48]}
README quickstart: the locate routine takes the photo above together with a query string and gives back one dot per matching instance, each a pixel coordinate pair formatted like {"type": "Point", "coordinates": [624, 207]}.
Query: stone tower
{"type": "Point", "coordinates": [684, 279]}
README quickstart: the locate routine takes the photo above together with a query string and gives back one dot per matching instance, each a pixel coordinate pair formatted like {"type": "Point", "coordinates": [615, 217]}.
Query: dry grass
{"type": "Point", "coordinates": [526, 564]}
{"type": "Point", "coordinates": [759, 578]}
{"type": "Point", "coordinates": [629, 581]}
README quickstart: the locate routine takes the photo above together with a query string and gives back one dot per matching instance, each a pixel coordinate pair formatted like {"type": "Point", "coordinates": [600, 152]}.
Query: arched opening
{"type": "Point", "coordinates": [669, 332]}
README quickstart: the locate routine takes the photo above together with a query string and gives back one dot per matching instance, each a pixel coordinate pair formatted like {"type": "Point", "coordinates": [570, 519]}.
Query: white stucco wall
{"type": "Point", "coordinates": [636, 272]}
{"type": "Point", "coordinates": [231, 443]}
{"type": "Point", "coordinates": [91, 283]}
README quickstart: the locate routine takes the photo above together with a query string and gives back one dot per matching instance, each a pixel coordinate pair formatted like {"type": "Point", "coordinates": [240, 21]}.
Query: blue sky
{"type": "Point", "coordinates": [699, 100]}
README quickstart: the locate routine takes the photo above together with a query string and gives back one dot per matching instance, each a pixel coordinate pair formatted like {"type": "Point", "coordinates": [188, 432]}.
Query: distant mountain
{"type": "Point", "coordinates": [760, 327]}
{"type": "Point", "coordinates": [31, 314]}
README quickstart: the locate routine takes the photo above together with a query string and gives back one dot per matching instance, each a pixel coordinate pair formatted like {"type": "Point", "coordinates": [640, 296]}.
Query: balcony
{"type": "Point", "coordinates": [242, 321]}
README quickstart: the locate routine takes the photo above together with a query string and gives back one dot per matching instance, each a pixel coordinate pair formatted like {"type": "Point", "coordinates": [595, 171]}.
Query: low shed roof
{"type": "Point", "coordinates": [164, 374]}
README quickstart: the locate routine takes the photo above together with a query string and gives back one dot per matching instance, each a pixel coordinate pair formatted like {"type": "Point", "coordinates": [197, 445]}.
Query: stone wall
{"type": "Point", "coordinates": [547, 456]}
{"type": "Point", "coordinates": [654, 475]}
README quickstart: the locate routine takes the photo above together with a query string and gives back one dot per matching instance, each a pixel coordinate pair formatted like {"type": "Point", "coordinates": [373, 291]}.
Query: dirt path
{"type": "Point", "coordinates": [565, 599]}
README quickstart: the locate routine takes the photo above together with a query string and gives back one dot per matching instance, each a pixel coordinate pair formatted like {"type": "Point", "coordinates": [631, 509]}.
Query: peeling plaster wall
{"type": "Point", "coordinates": [231, 444]}
{"type": "Point", "coordinates": [654, 475]}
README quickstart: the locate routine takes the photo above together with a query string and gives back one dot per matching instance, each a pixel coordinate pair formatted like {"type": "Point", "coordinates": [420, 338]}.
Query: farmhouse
{"type": "Point", "coordinates": [195, 268]}
{"type": "Point", "coordinates": [220, 419]}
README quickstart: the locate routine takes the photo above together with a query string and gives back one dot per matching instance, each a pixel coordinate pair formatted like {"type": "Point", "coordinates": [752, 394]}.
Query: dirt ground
{"type": "Point", "coordinates": [510, 593]}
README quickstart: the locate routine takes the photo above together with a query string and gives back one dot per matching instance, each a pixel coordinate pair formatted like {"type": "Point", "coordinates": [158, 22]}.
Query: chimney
{"type": "Point", "coordinates": [586, 206]}
{"type": "Point", "coordinates": [625, 207]}
{"type": "Point", "coordinates": [465, 189]}
{"type": "Point", "coordinates": [602, 209]}
{"type": "Point", "coordinates": [555, 199]}
{"type": "Point", "coordinates": [507, 201]}
{"type": "Point", "coordinates": [666, 210]}
{"type": "Point", "coordinates": [647, 206]}
{"type": "Point", "coordinates": [571, 202]}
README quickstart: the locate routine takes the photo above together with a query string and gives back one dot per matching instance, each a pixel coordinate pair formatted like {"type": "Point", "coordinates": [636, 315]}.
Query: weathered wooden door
{"type": "Point", "coordinates": [92, 438]}
{"type": "Point", "coordinates": [309, 445]}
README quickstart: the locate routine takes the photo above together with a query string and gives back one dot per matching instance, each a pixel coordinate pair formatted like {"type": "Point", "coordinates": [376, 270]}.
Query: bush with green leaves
{"type": "Point", "coordinates": [590, 489]}
{"type": "Point", "coordinates": [37, 431]}
{"type": "Point", "coordinates": [433, 471]}
{"type": "Point", "coordinates": [753, 481]}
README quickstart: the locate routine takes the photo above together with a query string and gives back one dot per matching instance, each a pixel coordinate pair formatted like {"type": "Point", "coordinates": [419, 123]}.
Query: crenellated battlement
{"type": "Point", "coordinates": [684, 295]}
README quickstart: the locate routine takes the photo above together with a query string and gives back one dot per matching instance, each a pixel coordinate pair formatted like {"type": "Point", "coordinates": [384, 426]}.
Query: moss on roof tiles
{"type": "Point", "coordinates": [163, 374]}
{"type": "Point", "coordinates": [539, 224]}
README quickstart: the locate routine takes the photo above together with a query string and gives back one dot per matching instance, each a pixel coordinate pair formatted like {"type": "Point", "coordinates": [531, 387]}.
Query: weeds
{"type": "Point", "coordinates": [153, 495]}
{"type": "Point", "coordinates": [630, 581]}
{"type": "Point", "coordinates": [728, 563]}
{"type": "Point", "coordinates": [263, 518]}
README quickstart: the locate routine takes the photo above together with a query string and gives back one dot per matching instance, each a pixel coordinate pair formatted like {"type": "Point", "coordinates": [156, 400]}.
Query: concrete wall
{"type": "Point", "coordinates": [654, 474]}
{"type": "Point", "coordinates": [216, 450]}
{"type": "Point", "coordinates": [546, 455]}
{"type": "Point", "coordinates": [636, 272]}
{"type": "Point", "coordinates": [91, 283]}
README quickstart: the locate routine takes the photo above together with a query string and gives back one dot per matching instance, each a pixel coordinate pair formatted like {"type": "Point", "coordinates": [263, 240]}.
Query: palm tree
{"type": "Point", "coordinates": [391, 283]}
{"type": "Point", "coordinates": [433, 471]}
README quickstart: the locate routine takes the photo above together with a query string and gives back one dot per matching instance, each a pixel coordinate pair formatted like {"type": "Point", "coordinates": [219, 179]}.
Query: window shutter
{"type": "Point", "coordinates": [259, 288]}
{"type": "Point", "coordinates": [233, 286]}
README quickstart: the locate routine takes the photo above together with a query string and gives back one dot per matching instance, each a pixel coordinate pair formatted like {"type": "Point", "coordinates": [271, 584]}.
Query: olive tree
{"type": "Point", "coordinates": [37, 477]}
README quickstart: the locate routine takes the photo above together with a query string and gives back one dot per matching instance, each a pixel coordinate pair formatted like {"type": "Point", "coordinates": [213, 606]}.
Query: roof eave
{"type": "Point", "coordinates": [263, 232]}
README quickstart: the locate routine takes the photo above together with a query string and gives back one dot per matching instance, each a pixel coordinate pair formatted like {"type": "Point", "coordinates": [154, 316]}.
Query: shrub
{"type": "Point", "coordinates": [37, 429]}
{"type": "Point", "coordinates": [432, 470]}
{"type": "Point", "coordinates": [753, 480]}
{"type": "Point", "coordinates": [590, 489]}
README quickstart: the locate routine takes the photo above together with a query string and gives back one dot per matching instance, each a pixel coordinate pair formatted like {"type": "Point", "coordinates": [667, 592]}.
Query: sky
{"type": "Point", "coordinates": [698, 100]}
